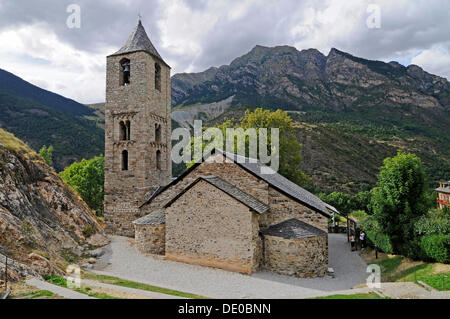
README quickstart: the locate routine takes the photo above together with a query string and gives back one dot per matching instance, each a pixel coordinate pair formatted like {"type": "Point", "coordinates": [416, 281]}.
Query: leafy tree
{"type": "Point", "coordinates": [289, 147]}
{"type": "Point", "coordinates": [47, 154]}
{"type": "Point", "coordinates": [346, 203]}
{"type": "Point", "coordinates": [87, 178]}
{"type": "Point", "coordinates": [399, 199]}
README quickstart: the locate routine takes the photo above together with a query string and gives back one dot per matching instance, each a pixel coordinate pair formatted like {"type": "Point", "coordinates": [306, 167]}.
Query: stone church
{"type": "Point", "coordinates": [222, 212]}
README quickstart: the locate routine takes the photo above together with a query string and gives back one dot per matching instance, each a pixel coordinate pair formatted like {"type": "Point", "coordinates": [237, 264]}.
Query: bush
{"type": "Point", "coordinates": [436, 247]}
{"type": "Point", "coordinates": [88, 231]}
{"type": "Point", "coordinates": [436, 222]}
{"type": "Point", "coordinates": [374, 234]}
{"type": "Point", "coordinates": [87, 178]}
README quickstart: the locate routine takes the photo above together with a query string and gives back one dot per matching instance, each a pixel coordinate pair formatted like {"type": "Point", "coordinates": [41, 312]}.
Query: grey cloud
{"type": "Point", "coordinates": [416, 25]}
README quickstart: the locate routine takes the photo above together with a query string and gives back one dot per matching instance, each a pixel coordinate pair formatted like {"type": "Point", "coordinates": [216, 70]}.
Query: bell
{"type": "Point", "coordinates": [126, 68]}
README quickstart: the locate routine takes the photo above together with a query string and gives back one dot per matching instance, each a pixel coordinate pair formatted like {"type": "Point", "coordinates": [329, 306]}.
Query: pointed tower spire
{"type": "Point", "coordinates": [139, 41]}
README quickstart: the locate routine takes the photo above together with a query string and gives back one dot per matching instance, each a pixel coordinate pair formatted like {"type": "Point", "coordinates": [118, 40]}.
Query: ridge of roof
{"type": "Point", "coordinates": [238, 194]}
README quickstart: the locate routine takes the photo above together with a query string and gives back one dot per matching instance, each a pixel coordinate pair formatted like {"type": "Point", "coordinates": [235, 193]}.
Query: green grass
{"type": "Point", "coordinates": [137, 285]}
{"type": "Point", "coordinates": [60, 281]}
{"type": "Point", "coordinates": [422, 272]}
{"type": "Point", "coordinates": [12, 143]}
{"type": "Point", "coordinates": [369, 295]}
{"type": "Point", "coordinates": [388, 266]}
{"type": "Point", "coordinates": [41, 294]}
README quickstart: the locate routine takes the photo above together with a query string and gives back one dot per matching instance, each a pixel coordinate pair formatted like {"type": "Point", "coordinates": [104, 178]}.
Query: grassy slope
{"type": "Point", "coordinates": [369, 295]}
{"type": "Point", "coordinates": [399, 268]}
{"type": "Point", "coordinates": [119, 282]}
{"type": "Point", "coordinates": [12, 143]}
{"type": "Point", "coordinates": [73, 137]}
{"type": "Point", "coordinates": [132, 284]}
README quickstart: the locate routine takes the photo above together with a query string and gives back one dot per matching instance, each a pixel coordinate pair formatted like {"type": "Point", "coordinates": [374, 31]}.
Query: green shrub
{"type": "Point", "coordinates": [88, 231]}
{"type": "Point", "coordinates": [375, 235]}
{"type": "Point", "coordinates": [436, 222]}
{"type": "Point", "coordinates": [436, 247]}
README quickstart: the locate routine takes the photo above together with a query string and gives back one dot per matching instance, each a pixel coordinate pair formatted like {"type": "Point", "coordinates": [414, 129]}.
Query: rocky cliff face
{"type": "Point", "coordinates": [43, 224]}
{"type": "Point", "coordinates": [291, 79]}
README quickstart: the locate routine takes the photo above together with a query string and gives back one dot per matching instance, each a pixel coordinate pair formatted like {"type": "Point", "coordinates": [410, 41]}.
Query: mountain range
{"type": "Point", "coordinates": [349, 113]}
{"type": "Point", "coordinates": [40, 117]}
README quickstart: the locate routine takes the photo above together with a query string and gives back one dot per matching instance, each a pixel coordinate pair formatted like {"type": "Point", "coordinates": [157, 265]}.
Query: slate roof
{"type": "Point", "coordinates": [229, 189]}
{"type": "Point", "coordinates": [280, 182]}
{"type": "Point", "coordinates": [293, 228]}
{"type": "Point", "coordinates": [277, 181]}
{"type": "Point", "coordinates": [443, 190]}
{"type": "Point", "coordinates": [139, 41]}
{"type": "Point", "coordinates": [157, 217]}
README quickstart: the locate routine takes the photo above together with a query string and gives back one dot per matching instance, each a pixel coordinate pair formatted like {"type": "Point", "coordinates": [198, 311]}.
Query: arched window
{"type": "Point", "coordinates": [122, 131]}
{"type": "Point", "coordinates": [128, 125]}
{"type": "Point", "coordinates": [124, 160]}
{"type": "Point", "coordinates": [157, 77]}
{"type": "Point", "coordinates": [125, 69]}
{"type": "Point", "coordinates": [157, 133]}
{"type": "Point", "coordinates": [158, 159]}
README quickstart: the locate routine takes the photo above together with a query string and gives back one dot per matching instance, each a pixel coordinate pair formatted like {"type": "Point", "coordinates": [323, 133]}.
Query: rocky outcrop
{"type": "Point", "coordinates": [287, 78]}
{"type": "Point", "coordinates": [185, 117]}
{"type": "Point", "coordinates": [43, 223]}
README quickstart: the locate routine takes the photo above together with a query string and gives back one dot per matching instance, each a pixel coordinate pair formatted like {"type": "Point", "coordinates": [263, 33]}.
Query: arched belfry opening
{"type": "Point", "coordinates": [124, 160]}
{"type": "Point", "coordinates": [125, 69]}
{"type": "Point", "coordinates": [125, 131]}
{"type": "Point", "coordinates": [157, 76]}
{"type": "Point", "coordinates": [158, 159]}
{"type": "Point", "coordinates": [158, 133]}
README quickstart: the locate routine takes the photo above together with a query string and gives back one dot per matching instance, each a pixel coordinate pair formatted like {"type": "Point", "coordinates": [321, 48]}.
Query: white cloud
{"type": "Point", "coordinates": [36, 54]}
{"type": "Point", "coordinates": [435, 60]}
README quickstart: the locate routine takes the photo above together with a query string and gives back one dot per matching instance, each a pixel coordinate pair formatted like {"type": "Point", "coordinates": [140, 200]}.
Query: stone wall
{"type": "Point", "coordinates": [230, 172]}
{"type": "Point", "coordinates": [150, 239]}
{"type": "Point", "coordinates": [208, 227]}
{"type": "Point", "coordinates": [283, 208]}
{"type": "Point", "coordinates": [144, 107]}
{"type": "Point", "coordinates": [302, 257]}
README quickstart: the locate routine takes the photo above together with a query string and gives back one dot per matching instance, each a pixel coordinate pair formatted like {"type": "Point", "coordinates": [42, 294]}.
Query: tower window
{"type": "Point", "coordinates": [128, 125]}
{"type": "Point", "coordinates": [124, 160]}
{"type": "Point", "coordinates": [157, 133]}
{"type": "Point", "coordinates": [158, 159]}
{"type": "Point", "coordinates": [125, 69]}
{"type": "Point", "coordinates": [123, 131]}
{"type": "Point", "coordinates": [157, 77]}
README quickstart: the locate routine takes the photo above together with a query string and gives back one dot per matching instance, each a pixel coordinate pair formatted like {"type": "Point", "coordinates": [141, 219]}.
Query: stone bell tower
{"type": "Point", "coordinates": [137, 130]}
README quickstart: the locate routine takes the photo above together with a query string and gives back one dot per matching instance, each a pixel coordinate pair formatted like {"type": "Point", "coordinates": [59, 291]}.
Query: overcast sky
{"type": "Point", "coordinates": [192, 35]}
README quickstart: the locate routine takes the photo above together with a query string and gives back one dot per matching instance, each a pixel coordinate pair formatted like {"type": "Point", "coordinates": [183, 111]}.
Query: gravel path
{"type": "Point", "coordinates": [61, 291]}
{"type": "Point", "coordinates": [122, 260]}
